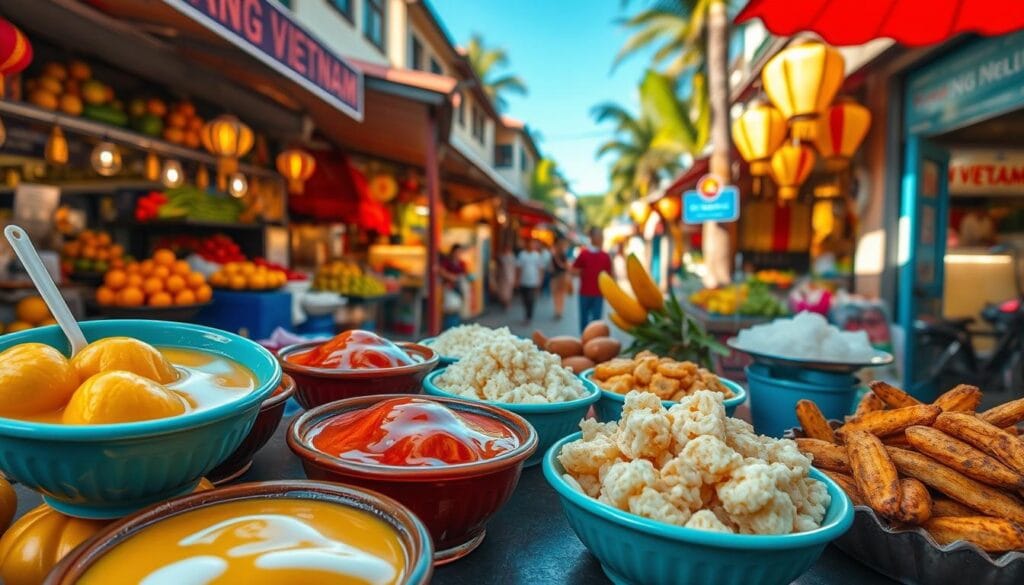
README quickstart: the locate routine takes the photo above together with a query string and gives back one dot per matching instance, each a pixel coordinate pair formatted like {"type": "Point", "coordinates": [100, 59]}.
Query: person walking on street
{"type": "Point", "coordinates": [505, 275]}
{"type": "Point", "coordinates": [561, 280]}
{"type": "Point", "coordinates": [590, 263]}
{"type": "Point", "coordinates": [530, 275]}
{"type": "Point", "coordinates": [453, 275]}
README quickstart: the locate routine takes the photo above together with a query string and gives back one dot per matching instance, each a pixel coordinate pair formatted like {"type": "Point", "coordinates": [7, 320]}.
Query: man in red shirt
{"type": "Point", "coordinates": [589, 265]}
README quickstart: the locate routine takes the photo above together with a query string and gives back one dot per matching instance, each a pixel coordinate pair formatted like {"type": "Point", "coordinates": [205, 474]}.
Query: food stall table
{"type": "Point", "coordinates": [528, 541]}
{"type": "Point", "coordinates": [723, 327]}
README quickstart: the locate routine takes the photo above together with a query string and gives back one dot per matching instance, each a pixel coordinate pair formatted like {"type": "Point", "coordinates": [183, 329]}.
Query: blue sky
{"type": "Point", "coordinates": [564, 50]}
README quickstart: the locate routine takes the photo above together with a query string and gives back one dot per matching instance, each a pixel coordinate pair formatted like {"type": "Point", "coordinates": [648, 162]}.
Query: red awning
{"type": "Point", "coordinates": [910, 22]}
{"type": "Point", "coordinates": [529, 212]}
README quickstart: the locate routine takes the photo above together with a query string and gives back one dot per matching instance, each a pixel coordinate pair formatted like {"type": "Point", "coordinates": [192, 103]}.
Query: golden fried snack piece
{"type": "Point", "coordinates": [896, 440]}
{"type": "Point", "coordinates": [848, 485]}
{"type": "Point", "coordinates": [942, 506]}
{"type": "Point", "coordinates": [645, 368]}
{"type": "Point", "coordinates": [988, 500]}
{"type": "Point", "coordinates": [990, 534]}
{"type": "Point", "coordinates": [888, 422]}
{"type": "Point", "coordinates": [892, 395]}
{"type": "Point", "coordinates": [685, 372]}
{"type": "Point", "coordinates": [814, 423]}
{"type": "Point", "coordinates": [963, 458]}
{"type": "Point", "coordinates": [621, 384]}
{"type": "Point", "coordinates": [915, 502]}
{"type": "Point", "coordinates": [874, 473]}
{"type": "Point", "coordinates": [824, 455]}
{"type": "Point", "coordinates": [1006, 414]}
{"type": "Point", "coordinates": [614, 367]}
{"type": "Point", "coordinates": [870, 402]}
{"type": "Point", "coordinates": [989, 438]}
{"type": "Point", "coordinates": [664, 386]}
{"type": "Point", "coordinates": [962, 398]}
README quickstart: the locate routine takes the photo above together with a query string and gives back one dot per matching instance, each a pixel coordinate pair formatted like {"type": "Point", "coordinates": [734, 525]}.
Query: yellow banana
{"type": "Point", "coordinates": [619, 322]}
{"type": "Point", "coordinates": [622, 302]}
{"type": "Point", "coordinates": [644, 288]}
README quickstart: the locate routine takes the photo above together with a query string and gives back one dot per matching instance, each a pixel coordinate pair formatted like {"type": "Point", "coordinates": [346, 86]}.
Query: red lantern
{"type": "Point", "coordinates": [840, 132]}
{"type": "Point", "coordinates": [669, 208]}
{"type": "Point", "coordinates": [15, 51]}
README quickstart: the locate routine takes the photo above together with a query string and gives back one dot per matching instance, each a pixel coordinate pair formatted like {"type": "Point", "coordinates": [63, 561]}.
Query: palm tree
{"type": "Point", "coordinates": [485, 62]}
{"type": "Point", "coordinates": [547, 184]}
{"type": "Point", "coordinates": [694, 33]}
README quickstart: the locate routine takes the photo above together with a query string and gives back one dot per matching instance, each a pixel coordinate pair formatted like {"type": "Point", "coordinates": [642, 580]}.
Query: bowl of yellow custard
{"type": "Point", "coordinates": [269, 532]}
{"type": "Point", "coordinates": [135, 418]}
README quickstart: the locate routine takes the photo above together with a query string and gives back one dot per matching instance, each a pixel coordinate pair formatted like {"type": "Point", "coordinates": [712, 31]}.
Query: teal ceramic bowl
{"type": "Point", "coordinates": [443, 360]}
{"type": "Point", "coordinates": [609, 407]}
{"type": "Point", "coordinates": [637, 551]}
{"type": "Point", "coordinates": [108, 471]}
{"type": "Point", "coordinates": [551, 421]}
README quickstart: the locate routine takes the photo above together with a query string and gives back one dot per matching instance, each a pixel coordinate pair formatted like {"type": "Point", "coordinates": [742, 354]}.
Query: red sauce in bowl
{"type": "Point", "coordinates": [413, 432]}
{"type": "Point", "coordinates": [354, 350]}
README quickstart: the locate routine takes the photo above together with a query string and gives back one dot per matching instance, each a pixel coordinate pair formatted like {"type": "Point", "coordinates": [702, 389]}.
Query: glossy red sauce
{"type": "Point", "coordinates": [413, 432]}
{"type": "Point", "coordinates": [354, 350]}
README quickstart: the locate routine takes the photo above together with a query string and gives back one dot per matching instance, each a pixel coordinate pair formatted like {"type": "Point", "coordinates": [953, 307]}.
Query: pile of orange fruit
{"type": "Point", "coordinates": [160, 281]}
{"type": "Point", "coordinates": [28, 313]}
{"type": "Point", "coordinates": [92, 252]}
{"type": "Point", "coordinates": [248, 276]}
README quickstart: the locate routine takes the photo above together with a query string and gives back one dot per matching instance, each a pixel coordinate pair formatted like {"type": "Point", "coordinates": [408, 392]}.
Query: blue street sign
{"type": "Point", "coordinates": [723, 206]}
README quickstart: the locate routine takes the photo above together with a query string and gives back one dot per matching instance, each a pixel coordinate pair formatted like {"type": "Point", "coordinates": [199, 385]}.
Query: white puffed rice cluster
{"type": "Point", "coordinates": [461, 341]}
{"type": "Point", "coordinates": [511, 370]}
{"type": "Point", "coordinates": [693, 466]}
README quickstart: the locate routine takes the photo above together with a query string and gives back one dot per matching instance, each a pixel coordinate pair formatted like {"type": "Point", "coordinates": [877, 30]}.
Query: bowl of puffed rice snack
{"type": "Point", "coordinates": [515, 375]}
{"type": "Point", "coordinates": [689, 495]}
{"type": "Point", "coordinates": [457, 342]}
{"type": "Point", "coordinates": [671, 380]}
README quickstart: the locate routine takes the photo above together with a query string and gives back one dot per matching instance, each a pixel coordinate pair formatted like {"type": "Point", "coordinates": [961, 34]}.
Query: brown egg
{"type": "Point", "coordinates": [539, 339]}
{"type": "Point", "coordinates": [577, 363]}
{"type": "Point", "coordinates": [595, 329]}
{"type": "Point", "coordinates": [565, 346]}
{"type": "Point", "coordinates": [602, 349]}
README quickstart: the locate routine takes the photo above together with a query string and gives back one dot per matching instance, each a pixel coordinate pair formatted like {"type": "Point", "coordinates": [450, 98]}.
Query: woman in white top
{"type": "Point", "coordinates": [530, 274]}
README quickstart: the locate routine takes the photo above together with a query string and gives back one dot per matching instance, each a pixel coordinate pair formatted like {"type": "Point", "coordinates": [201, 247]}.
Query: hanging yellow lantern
{"type": "Point", "coordinates": [227, 138]}
{"type": "Point", "coordinates": [640, 210]}
{"type": "Point", "coordinates": [669, 207]}
{"type": "Point", "coordinates": [840, 132]}
{"type": "Point", "coordinates": [56, 147]}
{"type": "Point", "coordinates": [801, 81]}
{"type": "Point", "coordinates": [757, 134]}
{"type": "Point", "coordinates": [202, 177]}
{"type": "Point", "coordinates": [297, 166]}
{"type": "Point", "coordinates": [151, 169]}
{"type": "Point", "coordinates": [791, 164]}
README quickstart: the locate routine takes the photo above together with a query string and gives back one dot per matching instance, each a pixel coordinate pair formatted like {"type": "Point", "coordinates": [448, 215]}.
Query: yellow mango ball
{"type": "Point", "coordinates": [121, 397]}
{"type": "Point", "coordinates": [125, 354]}
{"type": "Point", "coordinates": [34, 379]}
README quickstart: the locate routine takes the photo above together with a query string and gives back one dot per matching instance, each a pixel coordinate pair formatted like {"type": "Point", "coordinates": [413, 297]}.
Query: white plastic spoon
{"type": "Point", "coordinates": [44, 284]}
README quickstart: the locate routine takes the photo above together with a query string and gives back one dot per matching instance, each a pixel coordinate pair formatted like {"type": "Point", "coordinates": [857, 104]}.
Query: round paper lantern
{"type": "Point", "coordinates": [297, 166]}
{"type": "Point", "coordinates": [383, 188]}
{"type": "Point", "coordinates": [15, 51]}
{"type": "Point", "coordinates": [791, 164]}
{"type": "Point", "coordinates": [56, 152]}
{"type": "Point", "coordinates": [841, 131]}
{"type": "Point", "coordinates": [757, 134]}
{"type": "Point", "coordinates": [227, 138]}
{"type": "Point", "coordinates": [801, 81]}
{"type": "Point", "coordinates": [669, 208]}
{"type": "Point", "coordinates": [639, 211]}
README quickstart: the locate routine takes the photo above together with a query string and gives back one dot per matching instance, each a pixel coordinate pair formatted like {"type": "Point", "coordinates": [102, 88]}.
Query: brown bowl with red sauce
{"type": "Point", "coordinates": [454, 463]}
{"type": "Point", "coordinates": [267, 421]}
{"type": "Point", "coordinates": [355, 363]}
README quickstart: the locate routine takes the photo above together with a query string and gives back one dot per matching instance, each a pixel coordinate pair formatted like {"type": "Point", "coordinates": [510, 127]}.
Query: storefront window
{"type": "Point", "coordinates": [435, 67]}
{"type": "Point", "coordinates": [415, 53]}
{"type": "Point", "coordinates": [503, 156]}
{"type": "Point", "coordinates": [478, 125]}
{"type": "Point", "coordinates": [373, 22]}
{"type": "Point", "coordinates": [342, 6]}
{"type": "Point", "coordinates": [522, 159]}
{"type": "Point", "coordinates": [460, 111]}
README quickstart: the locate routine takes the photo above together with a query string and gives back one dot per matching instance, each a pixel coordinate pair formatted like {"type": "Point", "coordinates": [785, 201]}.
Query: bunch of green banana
{"type": "Point", "coordinates": [198, 204]}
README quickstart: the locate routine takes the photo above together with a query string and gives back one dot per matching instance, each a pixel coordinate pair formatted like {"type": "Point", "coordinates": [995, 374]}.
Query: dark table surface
{"type": "Point", "coordinates": [528, 541]}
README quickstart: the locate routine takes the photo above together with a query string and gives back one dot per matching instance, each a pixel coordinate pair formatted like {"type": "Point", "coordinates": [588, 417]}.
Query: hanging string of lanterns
{"type": "Point", "coordinates": [801, 83]}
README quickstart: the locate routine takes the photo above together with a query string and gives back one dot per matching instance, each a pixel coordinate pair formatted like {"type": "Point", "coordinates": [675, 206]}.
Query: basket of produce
{"type": "Point", "coordinates": [936, 486]}
{"type": "Point", "coordinates": [248, 276]}
{"type": "Point", "coordinates": [88, 257]}
{"type": "Point", "coordinates": [348, 279]}
{"type": "Point", "coordinates": [161, 287]}
{"type": "Point", "coordinates": [750, 299]}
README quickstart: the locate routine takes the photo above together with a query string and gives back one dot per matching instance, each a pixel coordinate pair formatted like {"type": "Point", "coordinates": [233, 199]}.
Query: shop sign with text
{"type": "Point", "coordinates": [265, 30]}
{"type": "Point", "coordinates": [986, 172]}
{"type": "Point", "coordinates": [711, 201]}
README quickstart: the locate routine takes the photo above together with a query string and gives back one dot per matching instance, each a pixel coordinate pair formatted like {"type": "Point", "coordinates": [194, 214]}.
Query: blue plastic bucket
{"type": "Point", "coordinates": [774, 392]}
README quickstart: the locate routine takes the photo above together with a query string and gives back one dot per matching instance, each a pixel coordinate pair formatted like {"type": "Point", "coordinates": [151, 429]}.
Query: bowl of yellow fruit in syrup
{"type": "Point", "coordinates": [137, 417]}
